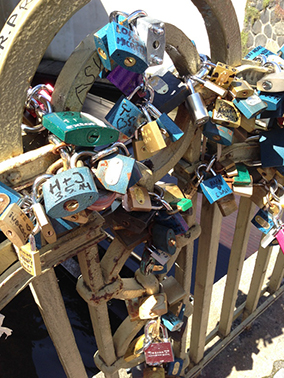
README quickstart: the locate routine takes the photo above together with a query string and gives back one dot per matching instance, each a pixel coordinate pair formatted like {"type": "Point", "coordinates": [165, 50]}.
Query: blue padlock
{"type": "Point", "coordinates": [275, 106]}
{"type": "Point", "coordinates": [102, 48]}
{"type": "Point", "coordinates": [7, 196]}
{"type": "Point", "coordinates": [174, 367]}
{"type": "Point", "coordinates": [263, 220]}
{"type": "Point", "coordinates": [126, 48]}
{"type": "Point", "coordinates": [258, 50]}
{"type": "Point", "coordinates": [114, 172]}
{"type": "Point", "coordinates": [69, 192]}
{"type": "Point", "coordinates": [214, 188]}
{"type": "Point", "coordinates": [125, 116]}
{"type": "Point", "coordinates": [171, 321]}
{"type": "Point", "coordinates": [251, 106]}
{"type": "Point", "coordinates": [271, 144]}
{"type": "Point", "coordinates": [217, 133]}
{"type": "Point", "coordinates": [164, 238]}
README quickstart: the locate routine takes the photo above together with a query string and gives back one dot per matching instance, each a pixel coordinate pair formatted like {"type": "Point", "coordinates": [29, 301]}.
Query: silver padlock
{"type": "Point", "coordinates": [196, 105]}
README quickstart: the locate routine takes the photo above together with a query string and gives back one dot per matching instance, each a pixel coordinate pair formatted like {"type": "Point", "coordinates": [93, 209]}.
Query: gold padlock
{"type": "Point", "coordinates": [173, 289]}
{"type": "Point", "coordinates": [227, 205]}
{"type": "Point", "coordinates": [29, 258]}
{"type": "Point", "coordinates": [247, 124]}
{"type": "Point", "coordinates": [223, 75]}
{"type": "Point", "coordinates": [15, 225]}
{"type": "Point", "coordinates": [151, 134]}
{"type": "Point", "coordinates": [81, 217]}
{"type": "Point", "coordinates": [241, 89]}
{"type": "Point", "coordinates": [137, 198]}
{"type": "Point", "coordinates": [135, 348]}
{"type": "Point", "coordinates": [226, 114]}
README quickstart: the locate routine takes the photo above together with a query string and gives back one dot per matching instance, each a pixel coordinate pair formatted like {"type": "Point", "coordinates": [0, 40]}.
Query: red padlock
{"type": "Point", "coordinates": [159, 350]}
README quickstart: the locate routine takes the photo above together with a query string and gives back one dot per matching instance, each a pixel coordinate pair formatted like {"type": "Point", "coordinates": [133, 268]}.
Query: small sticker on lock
{"type": "Point", "coordinates": [114, 169]}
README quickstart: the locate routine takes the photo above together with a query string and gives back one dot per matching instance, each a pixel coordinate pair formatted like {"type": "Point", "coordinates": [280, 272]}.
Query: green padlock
{"type": "Point", "coordinates": [80, 129]}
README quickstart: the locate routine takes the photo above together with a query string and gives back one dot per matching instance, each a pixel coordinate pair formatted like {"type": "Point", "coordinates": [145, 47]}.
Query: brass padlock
{"type": "Point", "coordinates": [30, 258]}
{"type": "Point", "coordinates": [151, 135]}
{"type": "Point", "coordinates": [81, 217]}
{"type": "Point", "coordinates": [135, 348]}
{"type": "Point", "coordinates": [173, 289]}
{"type": "Point", "coordinates": [15, 225]}
{"type": "Point", "coordinates": [227, 205]}
{"type": "Point", "coordinates": [225, 113]}
{"type": "Point", "coordinates": [137, 198]}
{"type": "Point", "coordinates": [223, 75]}
{"type": "Point", "coordinates": [248, 124]}
{"type": "Point", "coordinates": [241, 89]}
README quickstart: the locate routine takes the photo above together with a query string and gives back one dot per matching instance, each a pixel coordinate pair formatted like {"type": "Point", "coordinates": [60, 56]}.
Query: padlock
{"type": "Point", "coordinates": [223, 75]}
{"type": "Point", "coordinates": [159, 255]}
{"type": "Point", "coordinates": [125, 80]}
{"type": "Point", "coordinates": [126, 48]}
{"type": "Point", "coordinates": [276, 232]}
{"type": "Point", "coordinates": [163, 238]}
{"type": "Point", "coordinates": [171, 321]}
{"type": "Point", "coordinates": [263, 220]}
{"type": "Point", "coordinates": [29, 257]}
{"type": "Point", "coordinates": [114, 172]}
{"type": "Point", "coordinates": [243, 177]}
{"type": "Point", "coordinates": [101, 43]}
{"type": "Point", "coordinates": [251, 106]}
{"type": "Point", "coordinates": [16, 225]}
{"type": "Point", "coordinates": [135, 348]}
{"type": "Point", "coordinates": [165, 122]}
{"type": "Point", "coordinates": [80, 129]}
{"type": "Point", "coordinates": [227, 205]}
{"type": "Point", "coordinates": [248, 124]}
{"type": "Point", "coordinates": [173, 289]}
{"type": "Point", "coordinates": [174, 368]}
{"type": "Point", "coordinates": [7, 196]}
{"type": "Point", "coordinates": [169, 91]}
{"type": "Point", "coordinates": [175, 197]}
{"type": "Point", "coordinates": [44, 223]}
{"type": "Point", "coordinates": [258, 50]}
{"type": "Point", "coordinates": [125, 115]}
{"type": "Point", "coordinates": [158, 352]}
{"type": "Point", "coordinates": [275, 106]}
{"type": "Point", "coordinates": [226, 114]}
{"type": "Point", "coordinates": [213, 188]}
{"type": "Point", "coordinates": [147, 264]}
{"type": "Point", "coordinates": [240, 89]}
{"type": "Point", "coordinates": [152, 32]}
{"type": "Point", "coordinates": [153, 306]}
{"type": "Point", "coordinates": [151, 134]}
{"type": "Point", "coordinates": [139, 148]}
{"type": "Point", "coordinates": [273, 82]}
{"type": "Point", "coordinates": [217, 133]}
{"type": "Point", "coordinates": [154, 372]}
{"type": "Point", "coordinates": [217, 89]}
{"type": "Point", "coordinates": [82, 217]}
{"type": "Point", "coordinates": [69, 192]}
{"type": "Point", "coordinates": [137, 198]}
{"type": "Point", "coordinates": [195, 105]}
{"type": "Point", "coordinates": [272, 147]}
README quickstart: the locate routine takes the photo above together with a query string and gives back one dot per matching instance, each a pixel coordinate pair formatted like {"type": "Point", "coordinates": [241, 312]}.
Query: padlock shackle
{"type": "Point", "coordinates": [114, 15]}
{"type": "Point", "coordinates": [275, 66]}
{"type": "Point", "coordinates": [36, 184]}
{"type": "Point", "coordinates": [146, 330]}
{"type": "Point", "coordinates": [75, 157]}
{"type": "Point", "coordinates": [136, 14]}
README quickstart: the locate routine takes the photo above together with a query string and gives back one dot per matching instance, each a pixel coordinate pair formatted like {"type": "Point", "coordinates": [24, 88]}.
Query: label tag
{"type": "Point", "coordinates": [113, 171]}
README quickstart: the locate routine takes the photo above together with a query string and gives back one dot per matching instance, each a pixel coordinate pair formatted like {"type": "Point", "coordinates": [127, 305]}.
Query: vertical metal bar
{"type": "Point", "coordinates": [47, 296]}
{"type": "Point", "coordinates": [91, 271]}
{"type": "Point", "coordinates": [210, 223]}
{"type": "Point", "coordinates": [258, 276]}
{"type": "Point", "coordinates": [238, 251]}
{"type": "Point", "coordinates": [277, 274]}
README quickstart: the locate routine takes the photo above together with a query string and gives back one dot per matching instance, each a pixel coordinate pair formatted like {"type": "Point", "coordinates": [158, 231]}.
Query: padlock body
{"type": "Point", "coordinates": [217, 133]}
{"type": "Point", "coordinates": [215, 188]}
{"type": "Point", "coordinates": [174, 368]}
{"type": "Point", "coordinates": [69, 192]}
{"type": "Point", "coordinates": [164, 238]}
{"type": "Point", "coordinates": [165, 122]}
{"type": "Point", "coordinates": [137, 199]}
{"type": "Point", "coordinates": [152, 137]}
{"type": "Point", "coordinates": [46, 227]}
{"type": "Point", "coordinates": [126, 48]}
{"type": "Point", "coordinates": [140, 151]}
{"type": "Point", "coordinates": [15, 225]}
{"type": "Point", "coordinates": [226, 114]}
{"type": "Point", "coordinates": [159, 353]}
{"type": "Point", "coordinates": [241, 89]}
{"type": "Point", "coordinates": [175, 222]}
{"type": "Point", "coordinates": [125, 116]}
{"type": "Point", "coordinates": [251, 106]}
{"type": "Point", "coordinates": [102, 48]}
{"type": "Point", "coordinates": [263, 221]}
{"type": "Point", "coordinates": [197, 108]}
{"type": "Point", "coordinates": [171, 322]}
{"type": "Point", "coordinates": [280, 238]}
{"type": "Point", "coordinates": [125, 80]}
{"type": "Point", "coordinates": [170, 92]}
{"type": "Point", "coordinates": [7, 196]}
{"type": "Point", "coordinates": [152, 31]}
{"type": "Point", "coordinates": [115, 172]}
{"type": "Point", "coordinates": [223, 75]}
{"type": "Point", "coordinates": [154, 372]}
{"type": "Point", "coordinates": [30, 260]}
{"type": "Point", "coordinates": [80, 129]}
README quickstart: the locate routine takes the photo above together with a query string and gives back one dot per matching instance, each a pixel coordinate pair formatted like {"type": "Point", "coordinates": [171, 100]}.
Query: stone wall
{"type": "Point", "coordinates": [263, 25]}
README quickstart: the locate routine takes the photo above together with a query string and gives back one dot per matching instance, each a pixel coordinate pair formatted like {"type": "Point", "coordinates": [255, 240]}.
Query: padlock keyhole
{"type": "Point", "coordinates": [71, 205]}
{"type": "Point", "coordinates": [156, 45]}
{"type": "Point", "coordinates": [93, 137]}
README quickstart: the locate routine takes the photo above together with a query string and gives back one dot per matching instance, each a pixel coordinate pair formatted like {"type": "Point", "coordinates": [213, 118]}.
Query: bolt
{"type": "Point", "coordinates": [267, 85]}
